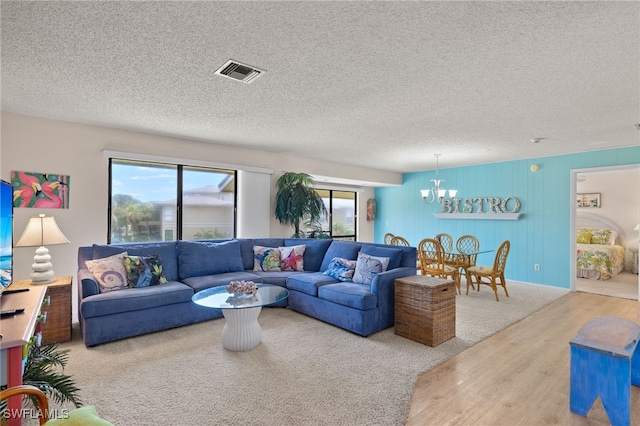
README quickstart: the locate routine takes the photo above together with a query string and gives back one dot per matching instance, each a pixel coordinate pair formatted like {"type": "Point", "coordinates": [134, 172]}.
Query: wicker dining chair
{"type": "Point", "coordinates": [431, 255]}
{"type": "Point", "coordinates": [467, 247]}
{"type": "Point", "coordinates": [388, 237]}
{"type": "Point", "coordinates": [446, 241]}
{"type": "Point", "coordinates": [491, 276]}
{"type": "Point", "coordinates": [399, 241]}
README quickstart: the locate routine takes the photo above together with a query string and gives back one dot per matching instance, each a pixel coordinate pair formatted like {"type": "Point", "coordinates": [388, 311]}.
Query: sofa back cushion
{"type": "Point", "coordinates": [208, 258]}
{"type": "Point", "coordinates": [338, 248]}
{"type": "Point", "coordinates": [246, 248]}
{"type": "Point", "coordinates": [313, 253]}
{"type": "Point", "coordinates": [394, 254]}
{"type": "Point", "coordinates": [165, 249]}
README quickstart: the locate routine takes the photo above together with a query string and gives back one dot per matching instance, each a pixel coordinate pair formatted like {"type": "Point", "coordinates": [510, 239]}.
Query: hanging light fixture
{"type": "Point", "coordinates": [437, 193]}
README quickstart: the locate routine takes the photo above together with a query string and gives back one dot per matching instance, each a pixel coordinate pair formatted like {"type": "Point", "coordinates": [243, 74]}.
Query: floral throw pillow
{"type": "Point", "coordinates": [583, 236]}
{"type": "Point", "coordinates": [266, 258]}
{"type": "Point", "coordinates": [367, 267]}
{"type": "Point", "coordinates": [291, 258]}
{"type": "Point", "coordinates": [109, 272]}
{"type": "Point", "coordinates": [144, 271]}
{"type": "Point", "coordinates": [341, 269]}
{"type": "Point", "coordinates": [600, 236]}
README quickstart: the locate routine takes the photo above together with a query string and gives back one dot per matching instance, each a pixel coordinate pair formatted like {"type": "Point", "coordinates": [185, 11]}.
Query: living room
{"type": "Point", "coordinates": [36, 138]}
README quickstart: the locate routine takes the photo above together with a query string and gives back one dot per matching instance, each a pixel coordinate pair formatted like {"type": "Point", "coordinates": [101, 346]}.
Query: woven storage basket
{"type": "Point", "coordinates": [425, 309]}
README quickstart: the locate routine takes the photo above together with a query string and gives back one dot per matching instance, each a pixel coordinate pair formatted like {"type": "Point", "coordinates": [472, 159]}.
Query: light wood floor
{"type": "Point", "coordinates": [519, 376]}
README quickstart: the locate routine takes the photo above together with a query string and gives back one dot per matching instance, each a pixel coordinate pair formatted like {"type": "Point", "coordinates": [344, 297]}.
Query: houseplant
{"type": "Point", "coordinates": [297, 200]}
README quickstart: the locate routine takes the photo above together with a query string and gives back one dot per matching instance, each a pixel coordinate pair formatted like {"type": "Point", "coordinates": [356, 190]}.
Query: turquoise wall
{"type": "Point", "coordinates": [541, 234]}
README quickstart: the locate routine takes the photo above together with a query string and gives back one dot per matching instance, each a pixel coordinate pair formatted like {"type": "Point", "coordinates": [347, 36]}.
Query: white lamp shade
{"type": "Point", "coordinates": [41, 231]}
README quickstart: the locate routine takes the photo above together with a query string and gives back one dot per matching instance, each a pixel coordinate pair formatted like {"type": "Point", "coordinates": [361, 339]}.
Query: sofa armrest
{"type": "Point", "coordinates": [88, 284]}
{"type": "Point", "coordinates": [383, 283]}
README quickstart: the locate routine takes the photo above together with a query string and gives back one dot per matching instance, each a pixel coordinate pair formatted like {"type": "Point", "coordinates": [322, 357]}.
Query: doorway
{"type": "Point", "coordinates": [616, 188]}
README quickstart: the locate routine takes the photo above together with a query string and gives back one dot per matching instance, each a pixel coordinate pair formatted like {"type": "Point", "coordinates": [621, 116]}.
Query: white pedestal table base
{"type": "Point", "coordinates": [242, 331]}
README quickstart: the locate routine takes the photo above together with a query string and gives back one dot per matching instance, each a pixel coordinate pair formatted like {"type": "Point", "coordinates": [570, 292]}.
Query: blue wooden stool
{"type": "Point", "coordinates": [605, 362]}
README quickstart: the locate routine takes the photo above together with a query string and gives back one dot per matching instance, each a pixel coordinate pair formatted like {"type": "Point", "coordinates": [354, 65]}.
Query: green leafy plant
{"type": "Point", "coordinates": [43, 370]}
{"type": "Point", "coordinates": [297, 200]}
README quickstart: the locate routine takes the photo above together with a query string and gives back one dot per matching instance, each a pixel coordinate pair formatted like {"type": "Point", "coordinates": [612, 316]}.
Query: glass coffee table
{"type": "Point", "coordinates": [242, 331]}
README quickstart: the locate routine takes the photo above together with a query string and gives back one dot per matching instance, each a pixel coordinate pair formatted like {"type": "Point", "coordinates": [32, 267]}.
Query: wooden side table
{"type": "Point", "coordinates": [57, 327]}
{"type": "Point", "coordinates": [425, 309]}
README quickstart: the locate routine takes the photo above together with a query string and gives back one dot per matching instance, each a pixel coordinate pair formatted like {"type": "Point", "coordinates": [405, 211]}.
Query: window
{"type": "Point", "coordinates": [341, 221]}
{"type": "Point", "coordinates": [164, 202]}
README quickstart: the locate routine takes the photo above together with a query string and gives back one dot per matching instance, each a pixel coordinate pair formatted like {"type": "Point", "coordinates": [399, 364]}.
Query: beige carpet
{"type": "Point", "coordinates": [304, 372]}
{"type": "Point", "coordinates": [623, 285]}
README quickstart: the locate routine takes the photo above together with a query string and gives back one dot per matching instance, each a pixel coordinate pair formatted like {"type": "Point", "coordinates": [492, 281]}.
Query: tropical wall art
{"type": "Point", "coordinates": [40, 190]}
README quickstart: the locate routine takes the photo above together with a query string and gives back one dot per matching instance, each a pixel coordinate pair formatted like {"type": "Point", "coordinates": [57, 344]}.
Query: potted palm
{"type": "Point", "coordinates": [297, 200]}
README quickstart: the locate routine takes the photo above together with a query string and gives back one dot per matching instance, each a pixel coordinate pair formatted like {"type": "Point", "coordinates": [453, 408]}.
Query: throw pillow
{"type": "Point", "coordinates": [292, 258]}
{"type": "Point", "coordinates": [266, 258]}
{"type": "Point", "coordinates": [341, 269]}
{"type": "Point", "coordinates": [109, 272]}
{"type": "Point", "coordinates": [144, 271]}
{"type": "Point", "coordinates": [600, 236]}
{"type": "Point", "coordinates": [368, 267]}
{"type": "Point", "coordinates": [83, 416]}
{"type": "Point", "coordinates": [583, 236]}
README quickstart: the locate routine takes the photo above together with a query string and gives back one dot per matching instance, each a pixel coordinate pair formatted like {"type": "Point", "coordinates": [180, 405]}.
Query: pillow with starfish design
{"type": "Point", "coordinates": [291, 258]}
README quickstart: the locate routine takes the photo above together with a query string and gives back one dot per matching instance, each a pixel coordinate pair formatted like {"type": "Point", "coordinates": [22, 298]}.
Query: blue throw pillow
{"type": "Point", "coordinates": [341, 269]}
{"type": "Point", "coordinates": [199, 258]}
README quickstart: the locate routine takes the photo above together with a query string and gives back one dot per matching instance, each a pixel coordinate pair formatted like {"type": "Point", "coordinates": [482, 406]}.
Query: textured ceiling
{"type": "Point", "coordinates": [379, 84]}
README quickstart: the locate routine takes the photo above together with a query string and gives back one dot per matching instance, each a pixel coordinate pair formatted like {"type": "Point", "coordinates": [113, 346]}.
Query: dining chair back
{"type": "Point", "coordinates": [399, 241]}
{"type": "Point", "coordinates": [388, 237]}
{"type": "Point", "coordinates": [431, 256]}
{"type": "Point", "coordinates": [491, 276]}
{"type": "Point", "coordinates": [446, 240]}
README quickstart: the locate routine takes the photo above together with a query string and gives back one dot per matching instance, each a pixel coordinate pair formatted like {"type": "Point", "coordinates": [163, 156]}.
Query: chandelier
{"type": "Point", "coordinates": [437, 193]}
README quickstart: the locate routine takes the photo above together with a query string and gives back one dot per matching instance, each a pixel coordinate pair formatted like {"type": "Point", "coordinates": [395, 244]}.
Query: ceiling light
{"type": "Point", "coordinates": [436, 193]}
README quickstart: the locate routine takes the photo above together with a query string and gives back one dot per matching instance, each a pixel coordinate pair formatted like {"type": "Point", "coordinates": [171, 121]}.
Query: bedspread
{"type": "Point", "coordinates": [598, 261]}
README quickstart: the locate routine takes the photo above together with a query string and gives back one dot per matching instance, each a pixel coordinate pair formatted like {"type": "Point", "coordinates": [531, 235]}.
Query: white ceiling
{"type": "Point", "coordinates": [379, 84]}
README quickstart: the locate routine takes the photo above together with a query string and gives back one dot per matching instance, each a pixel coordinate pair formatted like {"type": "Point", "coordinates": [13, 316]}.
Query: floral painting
{"type": "Point", "coordinates": [40, 190]}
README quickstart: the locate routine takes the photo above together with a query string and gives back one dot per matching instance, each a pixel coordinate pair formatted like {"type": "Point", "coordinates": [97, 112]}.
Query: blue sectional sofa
{"type": "Point", "coordinates": [191, 266]}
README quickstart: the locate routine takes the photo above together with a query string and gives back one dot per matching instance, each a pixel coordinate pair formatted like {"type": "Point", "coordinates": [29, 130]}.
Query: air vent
{"type": "Point", "coordinates": [239, 72]}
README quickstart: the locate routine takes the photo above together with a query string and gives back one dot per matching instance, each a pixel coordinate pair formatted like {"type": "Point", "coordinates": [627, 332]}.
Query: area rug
{"type": "Point", "coordinates": [305, 372]}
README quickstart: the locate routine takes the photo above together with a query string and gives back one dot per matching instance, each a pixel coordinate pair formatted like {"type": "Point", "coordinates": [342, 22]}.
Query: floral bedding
{"type": "Point", "coordinates": [599, 261]}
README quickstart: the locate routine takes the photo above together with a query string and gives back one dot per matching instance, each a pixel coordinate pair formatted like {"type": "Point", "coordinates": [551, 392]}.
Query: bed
{"type": "Point", "coordinates": [600, 245]}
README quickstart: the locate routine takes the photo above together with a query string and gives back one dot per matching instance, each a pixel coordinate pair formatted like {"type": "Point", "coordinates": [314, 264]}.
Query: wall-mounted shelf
{"type": "Point", "coordinates": [479, 216]}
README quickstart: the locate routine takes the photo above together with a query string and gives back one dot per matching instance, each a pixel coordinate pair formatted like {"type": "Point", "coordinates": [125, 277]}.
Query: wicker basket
{"type": "Point", "coordinates": [425, 309]}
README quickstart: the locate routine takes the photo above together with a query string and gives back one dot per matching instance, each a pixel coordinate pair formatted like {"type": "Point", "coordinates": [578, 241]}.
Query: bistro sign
{"type": "Point", "coordinates": [480, 205]}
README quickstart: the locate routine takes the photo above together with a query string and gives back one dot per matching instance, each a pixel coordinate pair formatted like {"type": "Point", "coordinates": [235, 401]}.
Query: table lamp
{"type": "Point", "coordinates": [41, 231]}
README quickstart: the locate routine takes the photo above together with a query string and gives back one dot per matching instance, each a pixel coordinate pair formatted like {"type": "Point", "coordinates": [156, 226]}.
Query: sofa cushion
{"type": "Point", "coordinates": [266, 258]}
{"type": "Point", "coordinates": [345, 249]}
{"type": "Point", "coordinates": [204, 258]}
{"type": "Point", "coordinates": [246, 248]}
{"type": "Point", "coordinates": [292, 258]}
{"type": "Point", "coordinates": [368, 267]}
{"type": "Point", "coordinates": [206, 281]}
{"type": "Point", "coordinates": [109, 272]}
{"type": "Point", "coordinates": [313, 253]}
{"type": "Point", "coordinates": [308, 283]}
{"type": "Point", "coordinates": [394, 254]}
{"type": "Point", "coordinates": [135, 299]}
{"type": "Point", "coordinates": [275, 278]}
{"type": "Point", "coordinates": [144, 271]}
{"type": "Point", "coordinates": [354, 295]}
{"type": "Point", "coordinates": [165, 249]}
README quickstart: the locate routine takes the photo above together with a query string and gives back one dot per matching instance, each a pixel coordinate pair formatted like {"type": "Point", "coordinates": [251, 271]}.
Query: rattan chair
{"type": "Point", "coordinates": [446, 241]}
{"type": "Point", "coordinates": [431, 255]}
{"type": "Point", "coordinates": [388, 237]}
{"type": "Point", "coordinates": [491, 276]}
{"type": "Point", "coordinates": [468, 247]}
{"type": "Point", "coordinates": [43, 402]}
{"type": "Point", "coordinates": [399, 241]}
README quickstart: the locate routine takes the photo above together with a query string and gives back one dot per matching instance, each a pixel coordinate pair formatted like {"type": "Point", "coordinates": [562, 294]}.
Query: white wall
{"type": "Point", "coordinates": [48, 146]}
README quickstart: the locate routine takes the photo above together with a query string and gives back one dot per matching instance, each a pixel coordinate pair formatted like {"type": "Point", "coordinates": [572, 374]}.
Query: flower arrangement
{"type": "Point", "coordinates": [242, 287]}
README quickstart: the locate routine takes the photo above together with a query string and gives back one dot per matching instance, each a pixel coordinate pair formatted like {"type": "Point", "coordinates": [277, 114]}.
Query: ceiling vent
{"type": "Point", "coordinates": [239, 72]}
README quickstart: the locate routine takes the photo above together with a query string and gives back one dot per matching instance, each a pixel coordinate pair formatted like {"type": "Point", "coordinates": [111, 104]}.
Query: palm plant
{"type": "Point", "coordinates": [296, 200]}
{"type": "Point", "coordinates": [41, 371]}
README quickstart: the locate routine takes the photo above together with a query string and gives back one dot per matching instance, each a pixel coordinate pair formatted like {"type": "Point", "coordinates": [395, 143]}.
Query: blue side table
{"type": "Point", "coordinates": [605, 362]}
